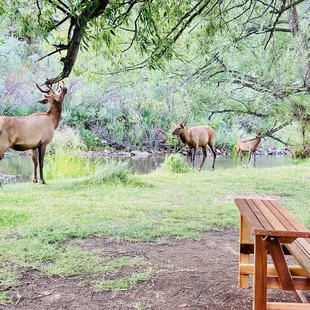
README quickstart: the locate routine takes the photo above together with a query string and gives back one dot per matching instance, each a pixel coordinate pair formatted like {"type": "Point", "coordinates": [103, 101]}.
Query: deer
{"type": "Point", "coordinates": [251, 145]}
{"type": "Point", "coordinates": [35, 131]}
{"type": "Point", "coordinates": [195, 137]}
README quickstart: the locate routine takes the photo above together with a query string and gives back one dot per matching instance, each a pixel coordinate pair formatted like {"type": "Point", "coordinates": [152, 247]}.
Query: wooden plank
{"type": "Point", "coordinates": [304, 245]}
{"type": "Point", "coordinates": [248, 248]}
{"type": "Point", "coordinates": [276, 224]}
{"type": "Point", "coordinates": [260, 274]}
{"type": "Point", "coordinates": [247, 214]}
{"type": "Point", "coordinates": [273, 221]}
{"type": "Point", "coordinates": [300, 283]}
{"type": "Point", "coordinates": [295, 222]}
{"type": "Point", "coordinates": [243, 280]}
{"type": "Point", "coordinates": [266, 224]}
{"type": "Point", "coordinates": [302, 297]}
{"type": "Point", "coordinates": [287, 239]}
{"type": "Point", "coordinates": [287, 306]}
{"type": "Point", "coordinates": [259, 225]}
{"type": "Point", "coordinates": [299, 295]}
{"type": "Point", "coordinates": [271, 270]}
{"type": "Point", "coordinates": [300, 249]}
{"type": "Point", "coordinates": [269, 209]}
{"type": "Point", "coordinates": [280, 264]}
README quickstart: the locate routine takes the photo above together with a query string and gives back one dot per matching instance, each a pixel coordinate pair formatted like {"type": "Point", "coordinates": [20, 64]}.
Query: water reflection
{"type": "Point", "coordinates": [22, 165]}
{"type": "Point", "coordinates": [16, 165]}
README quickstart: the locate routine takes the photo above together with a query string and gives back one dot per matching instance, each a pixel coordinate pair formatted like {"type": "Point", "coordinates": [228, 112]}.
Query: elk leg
{"type": "Point", "coordinates": [250, 153]}
{"type": "Point", "coordinates": [241, 153]}
{"type": "Point", "coordinates": [191, 152]}
{"type": "Point", "coordinates": [42, 149]}
{"type": "Point", "coordinates": [35, 164]}
{"type": "Point", "coordinates": [214, 155]}
{"type": "Point", "coordinates": [237, 154]}
{"type": "Point", "coordinates": [193, 157]}
{"type": "Point", "coordinates": [254, 159]}
{"type": "Point", "coordinates": [204, 154]}
{"type": "Point", "coordinates": [3, 149]}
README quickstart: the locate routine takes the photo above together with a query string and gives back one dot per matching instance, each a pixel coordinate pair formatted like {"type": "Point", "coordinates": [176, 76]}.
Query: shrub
{"type": "Point", "coordinates": [66, 139]}
{"type": "Point", "coordinates": [65, 159]}
{"type": "Point", "coordinates": [175, 163]}
{"type": "Point", "coordinates": [91, 140]}
{"type": "Point", "coordinates": [112, 171]}
{"type": "Point", "coordinates": [68, 164]}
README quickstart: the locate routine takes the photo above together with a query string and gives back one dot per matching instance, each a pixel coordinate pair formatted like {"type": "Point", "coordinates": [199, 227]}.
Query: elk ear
{"type": "Point", "coordinates": [183, 124]}
{"type": "Point", "coordinates": [43, 101]}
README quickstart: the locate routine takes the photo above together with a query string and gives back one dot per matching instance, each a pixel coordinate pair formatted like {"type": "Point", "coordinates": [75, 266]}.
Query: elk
{"type": "Point", "coordinates": [244, 145]}
{"type": "Point", "coordinates": [195, 137]}
{"type": "Point", "coordinates": [35, 131]}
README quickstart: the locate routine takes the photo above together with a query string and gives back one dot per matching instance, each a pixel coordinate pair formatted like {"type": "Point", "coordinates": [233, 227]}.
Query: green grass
{"type": "Point", "coordinates": [36, 220]}
{"type": "Point", "coordinates": [7, 278]}
{"type": "Point", "coordinates": [73, 261]}
{"type": "Point", "coordinates": [125, 283]}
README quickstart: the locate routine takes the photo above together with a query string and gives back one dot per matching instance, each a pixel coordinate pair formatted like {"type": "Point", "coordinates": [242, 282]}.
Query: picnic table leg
{"type": "Point", "coordinates": [243, 280]}
{"type": "Point", "coordinates": [260, 273]}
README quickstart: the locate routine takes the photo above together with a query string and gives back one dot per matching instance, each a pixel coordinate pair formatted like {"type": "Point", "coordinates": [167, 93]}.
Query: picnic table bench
{"type": "Point", "coordinates": [275, 232]}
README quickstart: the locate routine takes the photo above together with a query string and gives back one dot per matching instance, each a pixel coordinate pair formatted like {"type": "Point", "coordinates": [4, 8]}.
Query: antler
{"type": "Point", "coordinates": [57, 87]}
{"type": "Point", "coordinates": [42, 90]}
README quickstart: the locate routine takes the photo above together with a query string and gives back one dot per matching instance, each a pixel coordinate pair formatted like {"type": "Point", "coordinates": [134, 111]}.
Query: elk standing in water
{"type": "Point", "coordinates": [195, 137]}
{"type": "Point", "coordinates": [244, 145]}
{"type": "Point", "coordinates": [34, 131]}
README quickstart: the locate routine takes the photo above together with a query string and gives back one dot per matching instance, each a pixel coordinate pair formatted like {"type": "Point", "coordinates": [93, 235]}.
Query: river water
{"type": "Point", "coordinates": [22, 165]}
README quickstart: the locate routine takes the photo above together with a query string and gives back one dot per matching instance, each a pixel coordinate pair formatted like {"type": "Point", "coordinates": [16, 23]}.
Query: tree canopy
{"type": "Point", "coordinates": [236, 64]}
{"type": "Point", "coordinates": [151, 26]}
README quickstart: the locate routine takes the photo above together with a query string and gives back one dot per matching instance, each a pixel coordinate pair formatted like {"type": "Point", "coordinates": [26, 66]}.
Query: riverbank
{"type": "Point", "coordinates": [182, 150]}
{"type": "Point", "coordinates": [20, 168]}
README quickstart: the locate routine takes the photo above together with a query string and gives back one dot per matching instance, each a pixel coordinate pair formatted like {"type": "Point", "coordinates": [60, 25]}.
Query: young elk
{"type": "Point", "coordinates": [195, 137]}
{"type": "Point", "coordinates": [248, 145]}
{"type": "Point", "coordinates": [34, 131]}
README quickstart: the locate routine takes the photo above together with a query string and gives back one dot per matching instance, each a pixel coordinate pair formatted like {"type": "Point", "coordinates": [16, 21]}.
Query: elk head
{"type": "Point", "coordinates": [258, 133]}
{"type": "Point", "coordinates": [51, 95]}
{"type": "Point", "coordinates": [179, 128]}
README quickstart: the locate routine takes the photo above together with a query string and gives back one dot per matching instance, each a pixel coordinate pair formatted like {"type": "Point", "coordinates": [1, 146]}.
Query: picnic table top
{"type": "Point", "coordinates": [268, 217]}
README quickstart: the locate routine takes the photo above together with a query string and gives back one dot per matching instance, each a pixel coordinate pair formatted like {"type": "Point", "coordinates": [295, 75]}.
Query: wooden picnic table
{"type": "Point", "coordinates": [274, 231]}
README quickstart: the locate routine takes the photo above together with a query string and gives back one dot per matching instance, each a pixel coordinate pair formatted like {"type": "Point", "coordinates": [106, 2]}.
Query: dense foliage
{"type": "Point", "coordinates": [137, 66]}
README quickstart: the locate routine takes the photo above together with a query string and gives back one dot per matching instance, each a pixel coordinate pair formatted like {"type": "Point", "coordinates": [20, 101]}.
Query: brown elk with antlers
{"type": "Point", "coordinates": [35, 131]}
{"type": "Point", "coordinates": [248, 145]}
{"type": "Point", "coordinates": [195, 137]}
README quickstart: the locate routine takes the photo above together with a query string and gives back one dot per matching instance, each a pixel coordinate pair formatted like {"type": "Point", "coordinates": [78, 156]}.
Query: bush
{"type": "Point", "coordinates": [112, 171]}
{"type": "Point", "coordinates": [66, 139]}
{"type": "Point", "coordinates": [91, 140]}
{"type": "Point", "coordinates": [64, 159]}
{"type": "Point", "coordinates": [68, 164]}
{"type": "Point", "coordinates": [175, 163]}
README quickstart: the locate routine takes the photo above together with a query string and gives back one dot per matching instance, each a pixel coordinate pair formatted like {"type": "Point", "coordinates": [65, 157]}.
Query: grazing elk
{"type": "Point", "coordinates": [244, 145]}
{"type": "Point", "coordinates": [195, 137]}
{"type": "Point", "coordinates": [34, 131]}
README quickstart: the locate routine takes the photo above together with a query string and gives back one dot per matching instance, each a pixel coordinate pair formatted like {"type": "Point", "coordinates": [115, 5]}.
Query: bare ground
{"type": "Point", "coordinates": [184, 274]}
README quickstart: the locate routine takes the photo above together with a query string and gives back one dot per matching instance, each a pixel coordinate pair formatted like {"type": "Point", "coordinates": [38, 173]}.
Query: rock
{"type": "Point", "coordinates": [139, 154]}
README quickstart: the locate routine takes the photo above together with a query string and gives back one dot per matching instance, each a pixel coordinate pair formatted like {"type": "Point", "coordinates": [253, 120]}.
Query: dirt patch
{"type": "Point", "coordinates": [184, 274]}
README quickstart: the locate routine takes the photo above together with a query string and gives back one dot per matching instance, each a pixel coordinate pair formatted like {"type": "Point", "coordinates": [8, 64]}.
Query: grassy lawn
{"type": "Point", "coordinates": [36, 220]}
